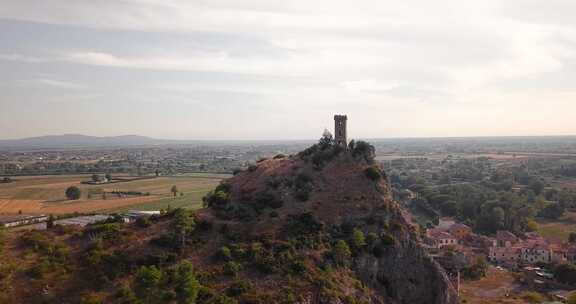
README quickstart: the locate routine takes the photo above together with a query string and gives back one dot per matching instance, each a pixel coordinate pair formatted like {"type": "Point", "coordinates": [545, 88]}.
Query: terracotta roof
{"type": "Point", "coordinates": [440, 235]}
{"type": "Point", "coordinates": [503, 235]}
{"type": "Point", "coordinates": [458, 226]}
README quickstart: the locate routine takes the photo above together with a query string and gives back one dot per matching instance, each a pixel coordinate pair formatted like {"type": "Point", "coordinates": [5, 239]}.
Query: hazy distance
{"type": "Point", "coordinates": [262, 70]}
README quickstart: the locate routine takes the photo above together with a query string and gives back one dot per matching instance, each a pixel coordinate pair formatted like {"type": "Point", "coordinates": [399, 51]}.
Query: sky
{"type": "Point", "coordinates": [268, 69]}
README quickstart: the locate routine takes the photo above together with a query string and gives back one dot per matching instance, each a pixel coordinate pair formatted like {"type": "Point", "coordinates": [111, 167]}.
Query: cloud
{"type": "Point", "coordinates": [456, 59]}
{"type": "Point", "coordinates": [59, 84]}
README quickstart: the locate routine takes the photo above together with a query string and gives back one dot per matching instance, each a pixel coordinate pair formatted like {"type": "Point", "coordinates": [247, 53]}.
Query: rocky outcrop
{"type": "Point", "coordinates": [406, 274]}
{"type": "Point", "coordinates": [341, 194]}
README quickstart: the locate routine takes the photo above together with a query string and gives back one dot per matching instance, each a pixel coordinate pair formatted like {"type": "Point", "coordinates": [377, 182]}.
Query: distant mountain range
{"type": "Point", "coordinates": [78, 140]}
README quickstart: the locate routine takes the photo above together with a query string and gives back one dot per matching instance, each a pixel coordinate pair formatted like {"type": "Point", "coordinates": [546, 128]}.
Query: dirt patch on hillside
{"type": "Point", "coordinates": [499, 286]}
{"type": "Point", "coordinates": [13, 206]}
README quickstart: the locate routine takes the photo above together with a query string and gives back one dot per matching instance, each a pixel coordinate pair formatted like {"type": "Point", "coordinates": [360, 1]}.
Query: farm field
{"type": "Point", "coordinates": [45, 194]}
{"type": "Point", "coordinates": [441, 156]}
{"type": "Point", "coordinates": [558, 230]}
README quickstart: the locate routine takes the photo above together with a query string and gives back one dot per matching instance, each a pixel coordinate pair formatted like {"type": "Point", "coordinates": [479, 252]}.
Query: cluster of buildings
{"type": "Point", "coordinates": [512, 251]}
{"type": "Point", "coordinates": [504, 249]}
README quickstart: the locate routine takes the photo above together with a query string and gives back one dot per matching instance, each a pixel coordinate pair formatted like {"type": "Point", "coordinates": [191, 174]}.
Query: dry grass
{"type": "Point", "coordinates": [492, 289]}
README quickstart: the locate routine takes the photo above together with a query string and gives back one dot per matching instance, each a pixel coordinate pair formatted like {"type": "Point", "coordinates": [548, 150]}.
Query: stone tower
{"type": "Point", "coordinates": [340, 130]}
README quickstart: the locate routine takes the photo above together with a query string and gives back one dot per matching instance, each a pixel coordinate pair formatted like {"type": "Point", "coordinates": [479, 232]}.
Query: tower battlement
{"type": "Point", "coordinates": [340, 136]}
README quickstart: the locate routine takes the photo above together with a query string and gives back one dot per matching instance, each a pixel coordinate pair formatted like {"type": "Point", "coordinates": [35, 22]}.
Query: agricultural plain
{"type": "Point", "coordinates": [45, 194]}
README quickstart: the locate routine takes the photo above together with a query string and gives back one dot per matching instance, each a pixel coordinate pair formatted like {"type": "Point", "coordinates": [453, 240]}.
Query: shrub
{"type": "Point", "coordinates": [252, 168]}
{"type": "Point", "coordinates": [341, 252]}
{"type": "Point", "coordinates": [378, 250]}
{"type": "Point", "coordinates": [364, 151]}
{"type": "Point", "coordinates": [371, 238]}
{"type": "Point", "coordinates": [40, 269]}
{"type": "Point", "coordinates": [302, 195]}
{"type": "Point", "coordinates": [298, 267]}
{"type": "Point", "coordinates": [73, 193]}
{"type": "Point", "coordinates": [107, 231]}
{"type": "Point", "coordinates": [372, 173]}
{"type": "Point", "coordinates": [219, 198]}
{"type": "Point", "coordinates": [225, 253]}
{"type": "Point", "coordinates": [303, 224]}
{"type": "Point", "coordinates": [358, 241]}
{"type": "Point", "coordinates": [237, 288]}
{"type": "Point", "coordinates": [274, 183]}
{"type": "Point", "coordinates": [387, 239]}
{"type": "Point", "coordinates": [236, 171]}
{"type": "Point", "coordinates": [143, 222]}
{"type": "Point", "coordinates": [322, 152]}
{"type": "Point", "coordinates": [303, 186]}
{"type": "Point", "coordinates": [232, 268]}
{"type": "Point", "coordinates": [267, 200]}
{"type": "Point", "coordinates": [91, 299]}
{"type": "Point", "coordinates": [279, 156]}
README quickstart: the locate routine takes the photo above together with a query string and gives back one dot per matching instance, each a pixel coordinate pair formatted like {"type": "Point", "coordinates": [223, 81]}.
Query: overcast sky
{"type": "Point", "coordinates": [266, 69]}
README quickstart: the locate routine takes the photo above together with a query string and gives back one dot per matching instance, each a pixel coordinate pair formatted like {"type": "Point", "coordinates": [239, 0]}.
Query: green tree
{"type": "Point", "coordinates": [341, 252]}
{"type": "Point", "coordinates": [73, 193]}
{"type": "Point", "coordinates": [187, 286]}
{"type": "Point", "coordinates": [50, 222]}
{"type": "Point", "coordinates": [552, 211]}
{"type": "Point", "coordinates": [537, 186]}
{"type": "Point", "coordinates": [182, 224]}
{"type": "Point", "coordinates": [358, 241]}
{"type": "Point", "coordinates": [147, 281]}
{"type": "Point", "coordinates": [372, 173]}
{"type": "Point", "coordinates": [108, 177]}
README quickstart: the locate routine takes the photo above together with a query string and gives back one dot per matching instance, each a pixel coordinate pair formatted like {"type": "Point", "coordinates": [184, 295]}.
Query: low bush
{"type": "Point", "coordinates": [232, 268]}
{"type": "Point", "coordinates": [237, 288]}
{"type": "Point", "coordinates": [372, 173]}
{"type": "Point", "coordinates": [143, 222]}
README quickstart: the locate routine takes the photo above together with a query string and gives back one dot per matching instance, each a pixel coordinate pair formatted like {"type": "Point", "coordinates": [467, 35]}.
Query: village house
{"type": "Point", "coordinates": [506, 238]}
{"type": "Point", "coordinates": [536, 253]}
{"type": "Point", "coordinates": [460, 231]}
{"type": "Point", "coordinates": [508, 256]}
{"type": "Point", "coordinates": [439, 239]}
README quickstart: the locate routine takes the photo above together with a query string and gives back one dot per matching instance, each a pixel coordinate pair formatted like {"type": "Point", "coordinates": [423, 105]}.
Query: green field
{"type": "Point", "coordinates": [558, 229]}
{"type": "Point", "coordinates": [45, 194]}
{"type": "Point", "coordinates": [190, 200]}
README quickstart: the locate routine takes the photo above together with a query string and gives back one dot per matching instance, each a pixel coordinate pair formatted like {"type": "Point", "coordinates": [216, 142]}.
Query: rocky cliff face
{"type": "Point", "coordinates": [406, 275]}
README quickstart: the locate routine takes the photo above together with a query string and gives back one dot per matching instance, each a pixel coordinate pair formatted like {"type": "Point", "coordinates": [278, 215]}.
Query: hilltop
{"type": "Point", "coordinates": [316, 227]}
